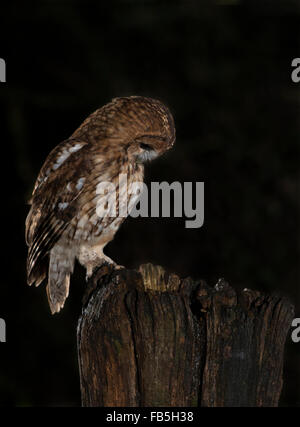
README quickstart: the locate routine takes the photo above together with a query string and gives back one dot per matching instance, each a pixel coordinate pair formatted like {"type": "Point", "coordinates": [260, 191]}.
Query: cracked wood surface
{"type": "Point", "coordinates": [148, 338]}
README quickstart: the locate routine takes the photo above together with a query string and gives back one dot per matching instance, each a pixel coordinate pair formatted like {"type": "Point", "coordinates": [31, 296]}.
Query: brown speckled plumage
{"type": "Point", "coordinates": [62, 223]}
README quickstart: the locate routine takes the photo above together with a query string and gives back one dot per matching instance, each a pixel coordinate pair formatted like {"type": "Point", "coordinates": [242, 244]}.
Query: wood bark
{"type": "Point", "coordinates": [148, 338]}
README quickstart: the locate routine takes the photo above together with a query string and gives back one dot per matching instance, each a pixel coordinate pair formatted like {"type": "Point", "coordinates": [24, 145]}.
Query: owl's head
{"type": "Point", "coordinates": [149, 125]}
{"type": "Point", "coordinates": [142, 127]}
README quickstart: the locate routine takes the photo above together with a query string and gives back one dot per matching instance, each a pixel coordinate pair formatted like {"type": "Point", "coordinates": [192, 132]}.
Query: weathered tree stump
{"type": "Point", "coordinates": [146, 338]}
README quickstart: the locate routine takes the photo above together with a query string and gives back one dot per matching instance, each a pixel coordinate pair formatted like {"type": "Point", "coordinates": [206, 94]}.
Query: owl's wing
{"type": "Point", "coordinates": [54, 203]}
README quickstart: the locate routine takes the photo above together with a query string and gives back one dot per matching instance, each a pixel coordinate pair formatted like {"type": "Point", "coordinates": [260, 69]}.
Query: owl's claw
{"type": "Point", "coordinates": [99, 264]}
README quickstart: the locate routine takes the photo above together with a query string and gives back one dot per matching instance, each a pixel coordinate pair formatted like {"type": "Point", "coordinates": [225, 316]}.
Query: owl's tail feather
{"type": "Point", "coordinates": [61, 266]}
{"type": "Point", "coordinates": [57, 292]}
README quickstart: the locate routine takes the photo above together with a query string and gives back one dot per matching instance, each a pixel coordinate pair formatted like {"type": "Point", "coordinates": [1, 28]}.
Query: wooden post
{"type": "Point", "coordinates": [148, 338]}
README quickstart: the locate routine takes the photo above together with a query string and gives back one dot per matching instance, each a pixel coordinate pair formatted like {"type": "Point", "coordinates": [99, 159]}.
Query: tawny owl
{"type": "Point", "coordinates": [64, 223]}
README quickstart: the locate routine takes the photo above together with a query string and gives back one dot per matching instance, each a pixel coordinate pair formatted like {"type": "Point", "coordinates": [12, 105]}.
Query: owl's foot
{"type": "Point", "coordinates": [106, 258]}
{"type": "Point", "coordinates": [98, 263]}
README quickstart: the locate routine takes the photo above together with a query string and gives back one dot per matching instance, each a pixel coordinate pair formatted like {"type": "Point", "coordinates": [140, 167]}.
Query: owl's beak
{"type": "Point", "coordinates": [146, 156]}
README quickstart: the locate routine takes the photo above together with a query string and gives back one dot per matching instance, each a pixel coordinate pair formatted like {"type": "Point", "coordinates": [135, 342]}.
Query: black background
{"type": "Point", "coordinates": [224, 70]}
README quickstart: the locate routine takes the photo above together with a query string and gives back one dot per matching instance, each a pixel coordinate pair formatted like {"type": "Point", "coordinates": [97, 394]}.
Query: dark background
{"type": "Point", "coordinates": [224, 70]}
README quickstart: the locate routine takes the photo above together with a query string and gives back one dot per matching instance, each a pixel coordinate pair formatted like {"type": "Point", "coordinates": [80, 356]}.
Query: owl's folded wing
{"type": "Point", "coordinates": [53, 204]}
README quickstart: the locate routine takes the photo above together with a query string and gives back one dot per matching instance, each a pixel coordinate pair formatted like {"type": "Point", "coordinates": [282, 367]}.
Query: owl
{"type": "Point", "coordinates": [65, 222]}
